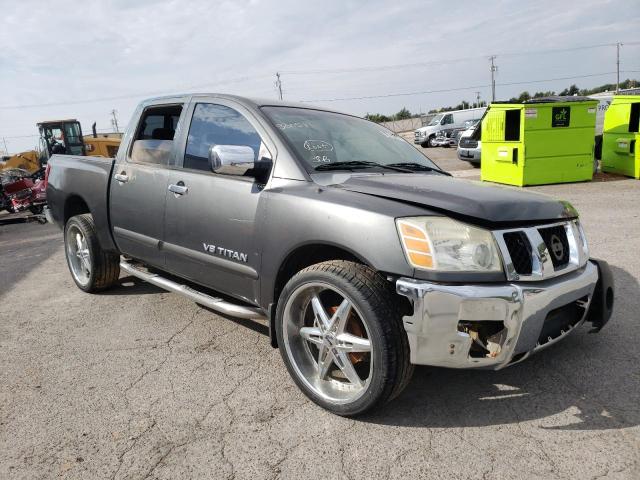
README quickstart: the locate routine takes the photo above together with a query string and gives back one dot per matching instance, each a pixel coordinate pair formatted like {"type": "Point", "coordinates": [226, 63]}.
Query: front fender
{"type": "Point", "coordinates": [308, 214]}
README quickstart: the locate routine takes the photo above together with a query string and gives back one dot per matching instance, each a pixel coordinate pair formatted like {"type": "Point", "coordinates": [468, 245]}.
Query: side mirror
{"type": "Point", "coordinates": [231, 159]}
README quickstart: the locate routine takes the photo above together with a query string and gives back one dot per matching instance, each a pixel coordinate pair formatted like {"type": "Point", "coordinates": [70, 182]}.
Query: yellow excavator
{"type": "Point", "coordinates": [63, 137]}
{"type": "Point", "coordinates": [29, 160]}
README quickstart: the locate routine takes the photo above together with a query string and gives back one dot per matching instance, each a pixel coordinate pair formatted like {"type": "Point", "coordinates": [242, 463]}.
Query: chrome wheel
{"type": "Point", "coordinates": [327, 342]}
{"type": "Point", "coordinates": [78, 255]}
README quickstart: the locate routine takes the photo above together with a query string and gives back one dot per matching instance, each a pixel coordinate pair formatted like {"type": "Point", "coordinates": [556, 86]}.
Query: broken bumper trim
{"type": "Point", "coordinates": [435, 336]}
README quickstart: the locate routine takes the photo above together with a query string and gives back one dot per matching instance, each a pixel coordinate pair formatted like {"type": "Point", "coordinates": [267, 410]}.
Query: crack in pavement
{"type": "Point", "coordinates": [144, 374]}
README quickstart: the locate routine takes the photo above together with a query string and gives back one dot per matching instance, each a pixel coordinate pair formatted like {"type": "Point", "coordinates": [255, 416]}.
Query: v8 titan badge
{"type": "Point", "coordinates": [560, 116]}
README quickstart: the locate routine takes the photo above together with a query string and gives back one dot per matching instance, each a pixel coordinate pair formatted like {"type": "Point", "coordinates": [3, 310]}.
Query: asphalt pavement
{"type": "Point", "coordinates": [138, 383]}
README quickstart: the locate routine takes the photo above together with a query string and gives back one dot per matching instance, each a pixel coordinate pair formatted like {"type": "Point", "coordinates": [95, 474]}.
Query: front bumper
{"type": "Point", "coordinates": [531, 316]}
{"type": "Point", "coordinates": [469, 154]}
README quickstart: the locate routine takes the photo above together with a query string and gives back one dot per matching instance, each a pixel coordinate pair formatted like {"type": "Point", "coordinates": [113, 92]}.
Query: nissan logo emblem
{"type": "Point", "coordinates": [556, 247]}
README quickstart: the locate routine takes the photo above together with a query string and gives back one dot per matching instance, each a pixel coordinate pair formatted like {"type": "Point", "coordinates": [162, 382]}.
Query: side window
{"type": "Point", "coordinates": [448, 119]}
{"type": "Point", "coordinates": [512, 125]}
{"type": "Point", "coordinates": [154, 137]}
{"type": "Point", "coordinates": [218, 125]}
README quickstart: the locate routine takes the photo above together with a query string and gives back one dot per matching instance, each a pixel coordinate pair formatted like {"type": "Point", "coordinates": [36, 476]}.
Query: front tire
{"type": "Point", "coordinates": [92, 268]}
{"type": "Point", "coordinates": [341, 337]}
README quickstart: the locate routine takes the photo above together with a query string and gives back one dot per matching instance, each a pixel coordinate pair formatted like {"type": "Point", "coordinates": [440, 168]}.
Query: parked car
{"type": "Point", "coordinates": [363, 257]}
{"type": "Point", "coordinates": [425, 136]}
{"type": "Point", "coordinates": [22, 190]}
{"type": "Point", "coordinates": [442, 139]}
{"type": "Point", "coordinates": [469, 146]}
{"type": "Point", "coordinates": [446, 138]}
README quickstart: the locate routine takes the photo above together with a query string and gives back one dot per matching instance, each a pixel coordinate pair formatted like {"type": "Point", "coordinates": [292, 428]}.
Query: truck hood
{"type": "Point", "coordinates": [472, 201]}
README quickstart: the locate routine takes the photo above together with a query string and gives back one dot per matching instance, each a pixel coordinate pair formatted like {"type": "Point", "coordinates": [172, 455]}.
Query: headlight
{"type": "Point", "coordinates": [443, 244]}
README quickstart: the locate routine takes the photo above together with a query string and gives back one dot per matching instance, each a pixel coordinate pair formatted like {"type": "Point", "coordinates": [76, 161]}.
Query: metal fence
{"type": "Point", "coordinates": [406, 125]}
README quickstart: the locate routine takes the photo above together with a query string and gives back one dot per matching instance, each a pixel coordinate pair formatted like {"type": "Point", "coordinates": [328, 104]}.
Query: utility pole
{"type": "Point", "coordinates": [114, 120]}
{"type": "Point", "coordinates": [494, 69]}
{"type": "Point", "coordinates": [279, 85]}
{"type": "Point", "coordinates": [6, 150]}
{"type": "Point", "coordinates": [477, 99]}
{"type": "Point", "coordinates": [618, 45]}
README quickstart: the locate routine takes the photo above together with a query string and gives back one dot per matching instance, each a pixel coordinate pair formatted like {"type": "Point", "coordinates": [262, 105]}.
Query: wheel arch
{"type": "Point", "coordinates": [74, 205]}
{"type": "Point", "coordinates": [299, 258]}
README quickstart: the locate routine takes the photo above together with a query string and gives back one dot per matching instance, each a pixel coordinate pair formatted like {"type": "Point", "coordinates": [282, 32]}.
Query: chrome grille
{"type": "Point", "coordinates": [468, 142]}
{"type": "Point", "coordinates": [538, 253]}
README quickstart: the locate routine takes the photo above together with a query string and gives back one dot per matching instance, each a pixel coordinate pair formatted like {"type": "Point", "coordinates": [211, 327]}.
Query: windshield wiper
{"type": "Point", "coordinates": [354, 164]}
{"type": "Point", "coordinates": [414, 166]}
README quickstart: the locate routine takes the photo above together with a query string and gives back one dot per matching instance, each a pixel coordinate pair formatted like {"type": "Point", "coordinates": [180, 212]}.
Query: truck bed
{"type": "Point", "coordinates": [73, 179]}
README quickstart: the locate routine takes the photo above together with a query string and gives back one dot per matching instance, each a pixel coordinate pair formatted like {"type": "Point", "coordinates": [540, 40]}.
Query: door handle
{"type": "Point", "coordinates": [179, 189]}
{"type": "Point", "coordinates": [121, 177]}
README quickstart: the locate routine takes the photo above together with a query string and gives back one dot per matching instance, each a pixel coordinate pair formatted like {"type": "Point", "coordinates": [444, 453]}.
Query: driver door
{"type": "Point", "coordinates": [210, 228]}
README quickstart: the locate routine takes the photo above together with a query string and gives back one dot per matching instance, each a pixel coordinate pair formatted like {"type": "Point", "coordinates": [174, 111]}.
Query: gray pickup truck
{"type": "Point", "coordinates": [363, 256]}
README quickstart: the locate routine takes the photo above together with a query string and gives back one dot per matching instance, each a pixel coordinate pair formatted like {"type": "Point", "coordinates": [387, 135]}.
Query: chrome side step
{"type": "Point", "coordinates": [214, 303]}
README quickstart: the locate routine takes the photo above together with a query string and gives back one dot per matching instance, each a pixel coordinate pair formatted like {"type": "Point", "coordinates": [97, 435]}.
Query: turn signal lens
{"type": "Point", "coordinates": [411, 231]}
{"type": "Point", "coordinates": [416, 245]}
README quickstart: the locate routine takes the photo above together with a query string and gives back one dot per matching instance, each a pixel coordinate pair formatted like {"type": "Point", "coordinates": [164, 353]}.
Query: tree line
{"type": "Point", "coordinates": [573, 89]}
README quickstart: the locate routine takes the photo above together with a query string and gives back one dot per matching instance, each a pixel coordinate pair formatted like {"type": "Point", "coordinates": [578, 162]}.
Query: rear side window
{"type": "Point", "coordinates": [512, 125]}
{"type": "Point", "coordinates": [159, 123]}
{"type": "Point", "coordinates": [153, 142]}
{"type": "Point", "coordinates": [213, 125]}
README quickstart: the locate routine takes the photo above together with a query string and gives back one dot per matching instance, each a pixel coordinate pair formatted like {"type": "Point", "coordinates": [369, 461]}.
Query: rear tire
{"type": "Point", "coordinates": [369, 340]}
{"type": "Point", "coordinates": [92, 268]}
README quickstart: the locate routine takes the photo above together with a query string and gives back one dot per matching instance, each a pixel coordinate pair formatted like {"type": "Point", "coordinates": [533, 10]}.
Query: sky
{"type": "Point", "coordinates": [83, 59]}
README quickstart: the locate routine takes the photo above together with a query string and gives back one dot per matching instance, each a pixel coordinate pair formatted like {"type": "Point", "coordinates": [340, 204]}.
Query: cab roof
{"type": "Point", "coordinates": [251, 102]}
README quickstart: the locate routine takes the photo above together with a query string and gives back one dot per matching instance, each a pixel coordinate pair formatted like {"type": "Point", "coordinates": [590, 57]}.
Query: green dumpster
{"type": "Point", "coordinates": [542, 141]}
{"type": "Point", "coordinates": [620, 136]}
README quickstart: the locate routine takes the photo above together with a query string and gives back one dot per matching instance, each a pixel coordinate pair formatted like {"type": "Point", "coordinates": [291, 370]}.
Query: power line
{"type": "Point", "coordinates": [130, 96]}
{"type": "Point", "coordinates": [444, 90]}
{"type": "Point", "coordinates": [307, 72]}
{"type": "Point", "coordinates": [448, 61]}
{"type": "Point", "coordinates": [103, 130]}
{"type": "Point", "coordinates": [526, 82]}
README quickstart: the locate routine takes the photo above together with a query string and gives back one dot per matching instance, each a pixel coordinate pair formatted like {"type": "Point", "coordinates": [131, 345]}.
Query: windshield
{"type": "Point", "coordinates": [435, 120]}
{"type": "Point", "coordinates": [323, 139]}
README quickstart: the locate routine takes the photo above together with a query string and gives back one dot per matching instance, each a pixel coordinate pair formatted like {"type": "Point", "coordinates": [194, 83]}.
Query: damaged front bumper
{"type": "Point", "coordinates": [492, 326]}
